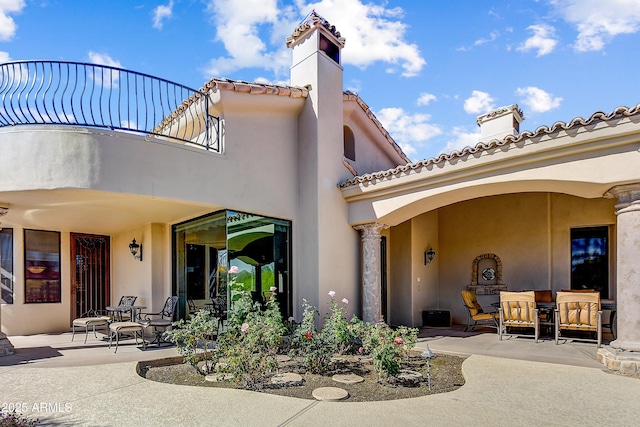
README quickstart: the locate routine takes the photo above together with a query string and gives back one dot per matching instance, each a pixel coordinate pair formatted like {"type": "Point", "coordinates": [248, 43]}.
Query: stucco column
{"type": "Point", "coordinates": [371, 283]}
{"type": "Point", "coordinates": [628, 267]}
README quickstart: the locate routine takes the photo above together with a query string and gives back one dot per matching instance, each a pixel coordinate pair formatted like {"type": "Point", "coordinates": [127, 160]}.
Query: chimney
{"type": "Point", "coordinates": [499, 123]}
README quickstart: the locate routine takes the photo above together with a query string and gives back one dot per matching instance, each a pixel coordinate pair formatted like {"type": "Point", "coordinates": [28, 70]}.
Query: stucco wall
{"type": "Point", "coordinates": [372, 149]}
{"type": "Point", "coordinates": [400, 275]}
{"type": "Point", "coordinates": [425, 291]}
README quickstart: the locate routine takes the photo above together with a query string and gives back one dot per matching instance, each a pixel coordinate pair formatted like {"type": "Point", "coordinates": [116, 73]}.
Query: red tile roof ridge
{"type": "Point", "coordinates": [598, 116]}
{"type": "Point", "coordinates": [254, 88]}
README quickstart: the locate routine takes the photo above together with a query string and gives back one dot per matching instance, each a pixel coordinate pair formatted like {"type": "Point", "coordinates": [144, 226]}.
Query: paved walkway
{"type": "Point", "coordinates": [73, 385]}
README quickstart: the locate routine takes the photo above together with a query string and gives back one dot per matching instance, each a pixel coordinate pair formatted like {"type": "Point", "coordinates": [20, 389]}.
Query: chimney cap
{"type": "Point", "coordinates": [313, 20]}
{"type": "Point", "coordinates": [499, 112]}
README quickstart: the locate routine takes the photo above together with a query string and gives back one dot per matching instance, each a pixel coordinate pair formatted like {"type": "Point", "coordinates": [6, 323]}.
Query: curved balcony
{"type": "Point", "coordinates": [100, 96]}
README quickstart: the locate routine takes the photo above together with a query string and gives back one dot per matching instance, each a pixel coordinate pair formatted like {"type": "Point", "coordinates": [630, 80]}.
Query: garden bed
{"type": "Point", "coordinates": [446, 375]}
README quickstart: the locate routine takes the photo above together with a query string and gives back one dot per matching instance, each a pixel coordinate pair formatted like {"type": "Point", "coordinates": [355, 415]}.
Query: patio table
{"type": "Point", "coordinates": [117, 311]}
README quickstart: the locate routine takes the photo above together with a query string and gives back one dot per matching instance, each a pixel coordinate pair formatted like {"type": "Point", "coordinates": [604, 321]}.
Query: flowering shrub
{"type": "Point", "coordinates": [11, 419]}
{"type": "Point", "coordinates": [339, 335]}
{"type": "Point", "coordinates": [249, 346]}
{"type": "Point", "coordinates": [189, 335]}
{"type": "Point", "coordinates": [388, 347]}
{"type": "Point", "coordinates": [309, 344]}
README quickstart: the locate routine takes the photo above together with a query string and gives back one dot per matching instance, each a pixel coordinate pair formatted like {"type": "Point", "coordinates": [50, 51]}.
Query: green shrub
{"type": "Point", "coordinates": [388, 347]}
{"type": "Point", "coordinates": [249, 347]}
{"type": "Point", "coordinates": [189, 335]}
{"type": "Point", "coordinates": [312, 346]}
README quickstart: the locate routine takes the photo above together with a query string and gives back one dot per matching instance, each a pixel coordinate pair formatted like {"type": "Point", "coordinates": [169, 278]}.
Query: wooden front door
{"type": "Point", "coordinates": [90, 276]}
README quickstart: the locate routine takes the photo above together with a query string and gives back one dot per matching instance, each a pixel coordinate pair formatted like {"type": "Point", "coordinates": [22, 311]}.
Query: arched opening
{"type": "Point", "coordinates": [349, 144]}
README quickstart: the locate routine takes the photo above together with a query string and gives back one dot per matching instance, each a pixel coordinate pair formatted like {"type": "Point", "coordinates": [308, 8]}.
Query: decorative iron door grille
{"type": "Point", "coordinates": [90, 279]}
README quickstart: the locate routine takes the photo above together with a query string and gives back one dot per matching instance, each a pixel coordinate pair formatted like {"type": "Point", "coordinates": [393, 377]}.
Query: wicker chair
{"type": "Point", "coordinates": [579, 311]}
{"type": "Point", "coordinates": [480, 316]}
{"type": "Point", "coordinates": [518, 310]}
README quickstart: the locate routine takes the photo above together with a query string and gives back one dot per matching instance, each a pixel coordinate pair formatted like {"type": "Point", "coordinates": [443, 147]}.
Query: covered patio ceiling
{"type": "Point", "coordinates": [91, 211]}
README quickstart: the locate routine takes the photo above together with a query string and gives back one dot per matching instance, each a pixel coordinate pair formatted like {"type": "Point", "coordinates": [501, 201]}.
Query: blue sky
{"type": "Point", "coordinates": [426, 68]}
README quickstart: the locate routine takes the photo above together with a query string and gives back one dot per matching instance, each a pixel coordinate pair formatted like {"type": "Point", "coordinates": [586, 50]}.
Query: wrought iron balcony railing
{"type": "Point", "coordinates": [79, 94]}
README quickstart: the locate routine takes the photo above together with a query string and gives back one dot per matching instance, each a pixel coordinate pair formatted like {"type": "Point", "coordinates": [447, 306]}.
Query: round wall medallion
{"type": "Point", "coordinates": [488, 274]}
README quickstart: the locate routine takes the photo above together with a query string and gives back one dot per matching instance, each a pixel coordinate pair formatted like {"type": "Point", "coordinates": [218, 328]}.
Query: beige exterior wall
{"type": "Point", "coordinates": [413, 286]}
{"type": "Point", "coordinates": [373, 151]}
{"type": "Point", "coordinates": [529, 232]}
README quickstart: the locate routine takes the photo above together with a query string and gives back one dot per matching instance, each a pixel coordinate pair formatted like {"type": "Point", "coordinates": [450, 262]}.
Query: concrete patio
{"type": "Point", "coordinates": [513, 381]}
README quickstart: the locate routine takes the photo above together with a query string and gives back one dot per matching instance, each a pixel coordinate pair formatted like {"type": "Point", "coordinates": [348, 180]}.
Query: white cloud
{"type": "Point", "coordinates": [599, 21]}
{"type": "Point", "coordinates": [543, 39]}
{"type": "Point", "coordinates": [426, 98]}
{"type": "Point", "coordinates": [479, 102]}
{"type": "Point", "coordinates": [253, 34]}
{"type": "Point", "coordinates": [537, 99]}
{"type": "Point", "coordinates": [461, 139]}
{"type": "Point", "coordinates": [108, 79]}
{"type": "Point", "coordinates": [408, 130]}
{"type": "Point", "coordinates": [4, 57]}
{"type": "Point", "coordinates": [7, 24]}
{"type": "Point", "coordinates": [103, 59]}
{"type": "Point", "coordinates": [492, 37]}
{"type": "Point", "coordinates": [161, 13]}
{"type": "Point", "coordinates": [238, 27]}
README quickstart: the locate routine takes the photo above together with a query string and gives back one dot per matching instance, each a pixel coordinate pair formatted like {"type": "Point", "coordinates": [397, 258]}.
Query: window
{"type": "Point", "coordinates": [6, 265]}
{"type": "Point", "coordinates": [206, 247]}
{"type": "Point", "coordinates": [329, 48]}
{"type": "Point", "coordinates": [349, 144]}
{"type": "Point", "coordinates": [42, 266]}
{"type": "Point", "coordinates": [590, 259]}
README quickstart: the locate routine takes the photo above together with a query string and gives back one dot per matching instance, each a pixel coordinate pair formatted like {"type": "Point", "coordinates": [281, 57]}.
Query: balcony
{"type": "Point", "coordinates": [100, 96]}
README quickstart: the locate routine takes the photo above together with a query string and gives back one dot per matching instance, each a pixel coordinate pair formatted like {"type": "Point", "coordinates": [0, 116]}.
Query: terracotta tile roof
{"type": "Point", "coordinates": [232, 85]}
{"type": "Point", "coordinates": [313, 20]}
{"type": "Point", "coordinates": [350, 96]}
{"type": "Point", "coordinates": [255, 88]}
{"type": "Point", "coordinates": [596, 117]}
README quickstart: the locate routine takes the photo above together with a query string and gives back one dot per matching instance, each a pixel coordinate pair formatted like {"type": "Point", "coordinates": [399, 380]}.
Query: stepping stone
{"type": "Point", "coordinates": [330, 394]}
{"type": "Point", "coordinates": [281, 358]}
{"type": "Point", "coordinates": [214, 378]}
{"type": "Point", "coordinates": [348, 378]}
{"type": "Point", "coordinates": [286, 379]}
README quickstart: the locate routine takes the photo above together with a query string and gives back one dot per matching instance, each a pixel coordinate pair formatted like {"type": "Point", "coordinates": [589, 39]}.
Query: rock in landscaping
{"type": "Point", "coordinates": [286, 379]}
{"type": "Point", "coordinates": [408, 378]}
{"type": "Point", "coordinates": [216, 377]}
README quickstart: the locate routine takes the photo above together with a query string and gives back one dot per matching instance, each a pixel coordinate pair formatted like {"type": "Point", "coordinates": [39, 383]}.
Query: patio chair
{"type": "Point", "coordinates": [193, 308]}
{"type": "Point", "coordinates": [91, 319]}
{"type": "Point", "coordinates": [480, 316]}
{"type": "Point", "coordinates": [161, 320]}
{"type": "Point", "coordinates": [220, 311]}
{"type": "Point", "coordinates": [579, 311]}
{"type": "Point", "coordinates": [518, 311]}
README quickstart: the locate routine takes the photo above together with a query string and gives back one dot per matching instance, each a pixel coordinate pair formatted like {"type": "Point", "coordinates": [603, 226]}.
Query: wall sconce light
{"type": "Point", "coordinates": [429, 256]}
{"type": "Point", "coordinates": [136, 249]}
